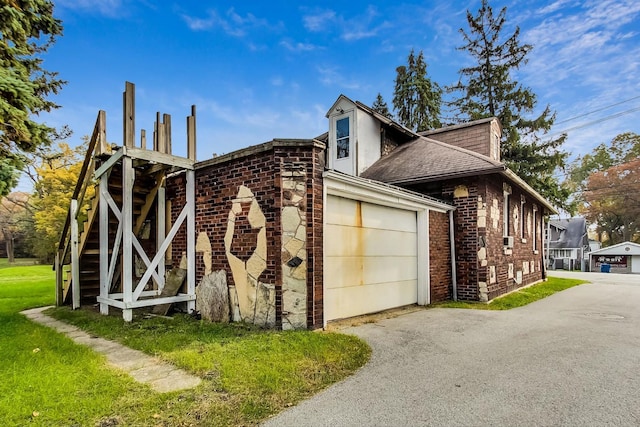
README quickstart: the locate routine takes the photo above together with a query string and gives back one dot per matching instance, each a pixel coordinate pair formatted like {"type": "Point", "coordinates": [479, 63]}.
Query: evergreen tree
{"type": "Point", "coordinates": [27, 29]}
{"type": "Point", "coordinates": [416, 99]}
{"type": "Point", "coordinates": [380, 106]}
{"type": "Point", "coordinates": [490, 90]}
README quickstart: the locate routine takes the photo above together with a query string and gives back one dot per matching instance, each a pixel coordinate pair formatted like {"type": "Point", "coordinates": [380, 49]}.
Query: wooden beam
{"type": "Point", "coordinates": [144, 212]}
{"type": "Point", "coordinates": [157, 157]}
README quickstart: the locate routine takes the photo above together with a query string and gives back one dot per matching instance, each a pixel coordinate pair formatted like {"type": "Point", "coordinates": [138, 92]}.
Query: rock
{"type": "Point", "coordinates": [172, 283]}
{"type": "Point", "coordinates": [212, 297]}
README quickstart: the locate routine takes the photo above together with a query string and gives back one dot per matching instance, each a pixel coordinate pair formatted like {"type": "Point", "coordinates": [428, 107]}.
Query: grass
{"type": "Point", "coordinates": [17, 262]}
{"type": "Point", "coordinates": [518, 298]}
{"type": "Point", "coordinates": [248, 374]}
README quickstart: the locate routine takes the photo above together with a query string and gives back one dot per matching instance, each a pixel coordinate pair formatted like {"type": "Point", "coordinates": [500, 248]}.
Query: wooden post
{"type": "Point", "coordinates": [166, 120]}
{"type": "Point", "coordinates": [161, 233]}
{"type": "Point", "coordinates": [191, 134]}
{"type": "Point", "coordinates": [59, 290]}
{"type": "Point", "coordinates": [161, 135]}
{"type": "Point", "coordinates": [169, 254]}
{"type": "Point", "coordinates": [128, 179]}
{"type": "Point", "coordinates": [103, 147]}
{"type": "Point", "coordinates": [191, 239]}
{"type": "Point", "coordinates": [129, 116]}
{"type": "Point", "coordinates": [75, 258]}
{"type": "Point", "coordinates": [143, 139]}
{"type": "Point", "coordinates": [104, 242]}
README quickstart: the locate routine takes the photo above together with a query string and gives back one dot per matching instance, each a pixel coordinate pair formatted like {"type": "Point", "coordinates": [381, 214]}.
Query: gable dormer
{"type": "Point", "coordinates": [358, 136]}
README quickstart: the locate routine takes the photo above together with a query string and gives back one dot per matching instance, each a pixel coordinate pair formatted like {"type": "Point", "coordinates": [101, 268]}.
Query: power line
{"type": "Point", "coordinates": [598, 110]}
{"type": "Point", "coordinates": [594, 122]}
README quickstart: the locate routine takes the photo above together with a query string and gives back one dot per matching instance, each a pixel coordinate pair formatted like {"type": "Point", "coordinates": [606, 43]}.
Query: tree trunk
{"type": "Point", "coordinates": [8, 238]}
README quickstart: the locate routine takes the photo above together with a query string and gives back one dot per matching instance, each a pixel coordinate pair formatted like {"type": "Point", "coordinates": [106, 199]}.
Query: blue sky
{"type": "Point", "coordinates": [258, 70]}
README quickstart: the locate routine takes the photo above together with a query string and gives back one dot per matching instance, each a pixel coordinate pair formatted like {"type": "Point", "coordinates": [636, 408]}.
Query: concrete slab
{"type": "Point", "coordinates": [162, 377]}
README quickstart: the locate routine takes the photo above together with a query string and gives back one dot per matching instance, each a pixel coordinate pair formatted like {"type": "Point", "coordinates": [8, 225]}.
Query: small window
{"type": "Point", "coordinates": [342, 138]}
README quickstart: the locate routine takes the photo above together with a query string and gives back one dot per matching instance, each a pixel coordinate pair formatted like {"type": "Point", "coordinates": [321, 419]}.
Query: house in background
{"type": "Point", "coordinates": [621, 258]}
{"type": "Point", "coordinates": [569, 244]}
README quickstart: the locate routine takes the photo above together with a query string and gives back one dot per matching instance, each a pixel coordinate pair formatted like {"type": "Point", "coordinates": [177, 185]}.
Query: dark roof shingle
{"type": "Point", "coordinates": [424, 160]}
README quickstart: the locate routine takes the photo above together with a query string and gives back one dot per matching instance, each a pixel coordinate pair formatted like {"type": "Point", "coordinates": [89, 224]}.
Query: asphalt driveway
{"type": "Point", "coordinates": [570, 359]}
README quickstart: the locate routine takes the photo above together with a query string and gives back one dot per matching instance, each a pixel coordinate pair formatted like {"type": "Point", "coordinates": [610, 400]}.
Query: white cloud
{"type": "Point", "coordinates": [358, 27]}
{"type": "Point", "coordinates": [319, 20]}
{"type": "Point", "coordinates": [110, 8]}
{"type": "Point", "coordinates": [231, 23]}
{"type": "Point", "coordinates": [332, 76]}
{"type": "Point", "coordinates": [298, 46]}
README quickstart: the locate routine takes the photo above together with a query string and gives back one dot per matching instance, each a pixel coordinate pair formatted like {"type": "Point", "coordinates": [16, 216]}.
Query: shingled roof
{"type": "Point", "coordinates": [425, 160]}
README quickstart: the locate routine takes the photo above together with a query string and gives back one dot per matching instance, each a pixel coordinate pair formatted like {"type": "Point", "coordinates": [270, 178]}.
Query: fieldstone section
{"type": "Point", "coordinates": [294, 246]}
{"type": "Point", "coordinates": [252, 300]}
{"type": "Point", "coordinates": [160, 376]}
{"type": "Point", "coordinates": [212, 297]}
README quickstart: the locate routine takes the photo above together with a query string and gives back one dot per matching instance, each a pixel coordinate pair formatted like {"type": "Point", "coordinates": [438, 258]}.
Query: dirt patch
{"type": "Point", "coordinates": [337, 325]}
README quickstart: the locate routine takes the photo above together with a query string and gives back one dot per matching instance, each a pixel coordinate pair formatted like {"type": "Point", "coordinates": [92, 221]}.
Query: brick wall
{"type": "Point", "coordinates": [258, 168]}
{"type": "Point", "coordinates": [439, 257]}
{"type": "Point", "coordinates": [491, 187]}
{"type": "Point", "coordinates": [463, 194]}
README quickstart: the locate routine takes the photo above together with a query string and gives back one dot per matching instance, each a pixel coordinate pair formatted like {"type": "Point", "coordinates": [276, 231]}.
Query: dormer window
{"type": "Point", "coordinates": [342, 137]}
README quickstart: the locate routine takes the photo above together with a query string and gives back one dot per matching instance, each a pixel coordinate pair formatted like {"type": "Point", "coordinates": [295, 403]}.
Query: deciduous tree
{"type": "Point", "coordinates": [612, 201]}
{"type": "Point", "coordinates": [56, 175]}
{"type": "Point", "coordinates": [488, 89]}
{"type": "Point", "coordinates": [416, 99]}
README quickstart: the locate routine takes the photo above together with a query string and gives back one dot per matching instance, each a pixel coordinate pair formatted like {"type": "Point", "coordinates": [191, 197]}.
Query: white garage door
{"type": "Point", "coordinates": [635, 264]}
{"type": "Point", "coordinates": [370, 258]}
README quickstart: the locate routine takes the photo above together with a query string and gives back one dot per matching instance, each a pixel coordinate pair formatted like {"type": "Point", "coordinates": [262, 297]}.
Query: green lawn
{"type": "Point", "coordinates": [518, 298]}
{"type": "Point", "coordinates": [248, 374]}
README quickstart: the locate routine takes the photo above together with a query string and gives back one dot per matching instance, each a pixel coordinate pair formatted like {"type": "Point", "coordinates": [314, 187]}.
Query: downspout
{"type": "Point", "coordinates": [546, 255]}
{"type": "Point", "coordinates": [454, 277]}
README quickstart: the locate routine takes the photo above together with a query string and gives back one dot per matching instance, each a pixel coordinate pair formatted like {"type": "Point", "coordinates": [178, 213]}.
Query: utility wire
{"type": "Point", "coordinates": [598, 110]}
{"type": "Point", "coordinates": [594, 122]}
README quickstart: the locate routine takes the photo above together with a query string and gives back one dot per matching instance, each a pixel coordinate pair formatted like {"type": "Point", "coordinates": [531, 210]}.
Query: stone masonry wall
{"type": "Point", "coordinates": [239, 204]}
{"type": "Point", "coordinates": [505, 269]}
{"type": "Point", "coordinates": [439, 257]}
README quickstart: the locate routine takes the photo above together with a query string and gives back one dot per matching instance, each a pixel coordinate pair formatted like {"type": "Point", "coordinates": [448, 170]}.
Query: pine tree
{"type": "Point", "coordinates": [490, 90]}
{"type": "Point", "coordinates": [27, 29]}
{"type": "Point", "coordinates": [416, 99]}
{"type": "Point", "coordinates": [380, 106]}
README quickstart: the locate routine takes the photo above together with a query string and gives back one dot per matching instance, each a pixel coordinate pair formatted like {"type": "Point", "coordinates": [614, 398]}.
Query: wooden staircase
{"type": "Point", "coordinates": [115, 243]}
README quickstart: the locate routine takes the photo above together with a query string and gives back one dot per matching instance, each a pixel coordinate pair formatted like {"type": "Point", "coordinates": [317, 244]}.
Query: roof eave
{"type": "Point", "coordinates": [522, 184]}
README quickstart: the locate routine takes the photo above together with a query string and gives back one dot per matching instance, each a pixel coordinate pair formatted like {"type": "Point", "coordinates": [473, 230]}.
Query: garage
{"type": "Point", "coordinates": [371, 257]}
{"type": "Point", "coordinates": [376, 247]}
{"type": "Point", "coordinates": [621, 258]}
